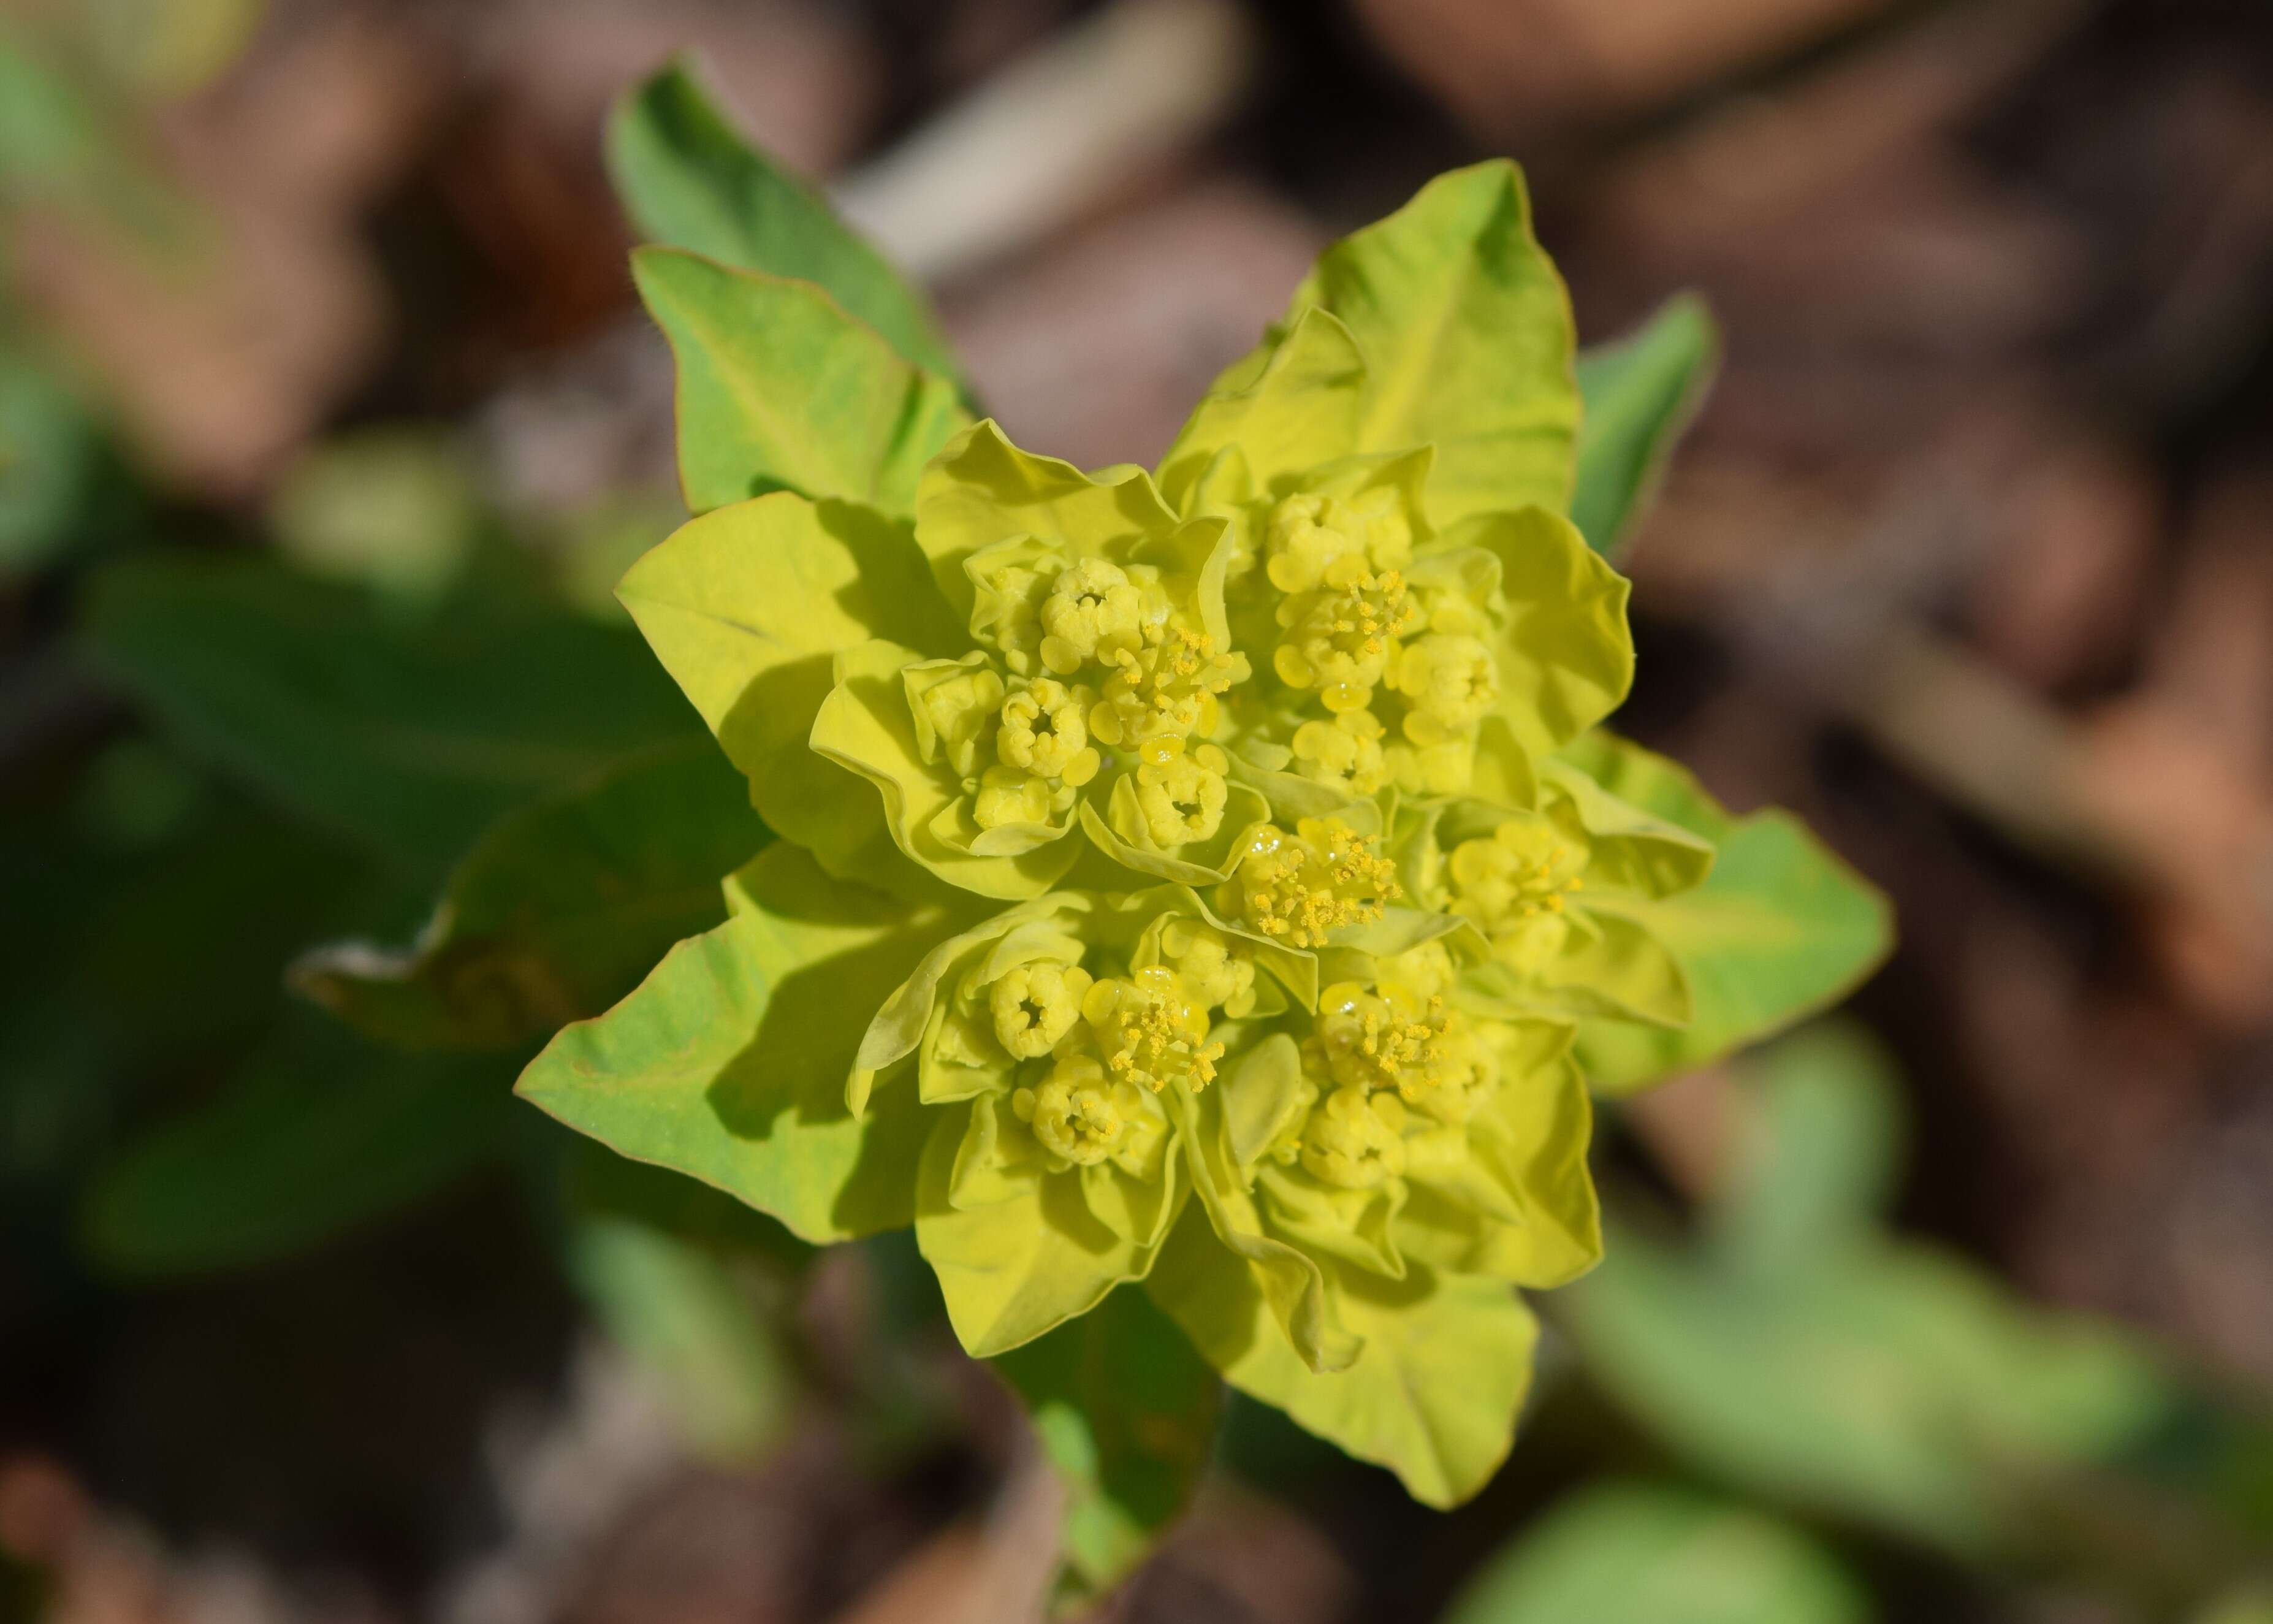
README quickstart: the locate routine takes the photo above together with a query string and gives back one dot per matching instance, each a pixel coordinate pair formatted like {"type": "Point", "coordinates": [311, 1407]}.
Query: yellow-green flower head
{"type": "Point", "coordinates": [1394, 1130]}
{"type": "Point", "coordinates": [1056, 1046]}
{"type": "Point", "coordinates": [1314, 603]}
{"type": "Point", "coordinates": [1563, 893]}
{"type": "Point", "coordinates": [1222, 828]}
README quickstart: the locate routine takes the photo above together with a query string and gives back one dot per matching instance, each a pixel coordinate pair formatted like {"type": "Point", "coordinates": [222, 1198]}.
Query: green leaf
{"type": "Point", "coordinates": [689, 180]}
{"type": "Point", "coordinates": [1308, 394]}
{"type": "Point", "coordinates": [728, 1062]}
{"type": "Point", "coordinates": [691, 1326]}
{"type": "Point", "coordinates": [1128, 1412]}
{"type": "Point", "coordinates": [48, 457]}
{"type": "Point", "coordinates": [1780, 930]}
{"type": "Point", "coordinates": [1466, 335]}
{"type": "Point", "coordinates": [407, 736]}
{"type": "Point", "coordinates": [1434, 1392]}
{"type": "Point", "coordinates": [557, 911]}
{"type": "Point", "coordinates": [1641, 393]}
{"type": "Point", "coordinates": [1817, 1160]}
{"type": "Point", "coordinates": [1842, 1371]}
{"type": "Point", "coordinates": [1566, 657]}
{"type": "Point", "coordinates": [747, 608]}
{"type": "Point", "coordinates": [779, 389]}
{"type": "Point", "coordinates": [398, 508]}
{"type": "Point", "coordinates": [983, 490]}
{"type": "Point", "coordinates": [1646, 1554]}
{"type": "Point", "coordinates": [317, 1133]}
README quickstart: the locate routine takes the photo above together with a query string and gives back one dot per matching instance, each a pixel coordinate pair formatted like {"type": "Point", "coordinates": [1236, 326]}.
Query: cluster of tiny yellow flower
{"type": "Point", "coordinates": [1516, 885]}
{"type": "Point", "coordinates": [1093, 1051]}
{"type": "Point", "coordinates": [1127, 671]}
{"type": "Point", "coordinates": [1297, 888]}
{"type": "Point", "coordinates": [1389, 1065]}
{"type": "Point", "coordinates": [1359, 637]}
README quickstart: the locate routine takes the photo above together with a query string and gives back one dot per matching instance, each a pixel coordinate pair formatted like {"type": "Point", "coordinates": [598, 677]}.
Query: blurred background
{"type": "Point", "coordinates": [327, 419]}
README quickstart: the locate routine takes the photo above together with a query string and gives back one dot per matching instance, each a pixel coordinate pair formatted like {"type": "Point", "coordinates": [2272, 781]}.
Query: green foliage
{"type": "Point", "coordinates": [407, 736]}
{"type": "Point", "coordinates": [48, 457]}
{"type": "Point", "coordinates": [1465, 329]}
{"type": "Point", "coordinates": [557, 911]}
{"type": "Point", "coordinates": [1432, 1392]}
{"type": "Point", "coordinates": [1646, 1554]}
{"type": "Point", "coordinates": [1128, 1412]}
{"type": "Point", "coordinates": [396, 508]}
{"type": "Point", "coordinates": [706, 1345]}
{"type": "Point", "coordinates": [729, 1061]}
{"type": "Point", "coordinates": [747, 607]}
{"type": "Point", "coordinates": [779, 389]}
{"type": "Point", "coordinates": [689, 180]}
{"type": "Point", "coordinates": [1804, 1356]}
{"type": "Point", "coordinates": [1640, 393]}
{"type": "Point", "coordinates": [1780, 930]}
{"type": "Point", "coordinates": [315, 1134]}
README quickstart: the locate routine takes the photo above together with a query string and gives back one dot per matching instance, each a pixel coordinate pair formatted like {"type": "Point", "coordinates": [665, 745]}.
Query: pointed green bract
{"type": "Point", "coordinates": [983, 490]}
{"type": "Point", "coordinates": [779, 389]}
{"type": "Point", "coordinates": [1126, 1411]}
{"type": "Point", "coordinates": [747, 607]}
{"type": "Point", "coordinates": [1530, 1145]}
{"type": "Point", "coordinates": [1308, 395]}
{"type": "Point", "coordinates": [1569, 658]}
{"type": "Point", "coordinates": [1465, 331]}
{"type": "Point", "coordinates": [1020, 1249]}
{"type": "Point", "coordinates": [689, 180]}
{"type": "Point", "coordinates": [1435, 1386]}
{"type": "Point", "coordinates": [1781, 929]}
{"type": "Point", "coordinates": [1640, 393]}
{"type": "Point", "coordinates": [728, 1062]}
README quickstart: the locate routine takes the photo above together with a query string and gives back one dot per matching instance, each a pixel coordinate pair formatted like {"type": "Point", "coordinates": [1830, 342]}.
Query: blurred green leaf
{"type": "Point", "coordinates": [1127, 1409]}
{"type": "Point", "coordinates": [1816, 1157]}
{"type": "Point", "coordinates": [779, 389]}
{"type": "Point", "coordinates": [1630, 1553]}
{"type": "Point", "coordinates": [1843, 1371]}
{"type": "Point", "coordinates": [49, 455]}
{"type": "Point", "coordinates": [50, 133]}
{"type": "Point", "coordinates": [159, 905]}
{"type": "Point", "coordinates": [689, 180]}
{"type": "Point", "coordinates": [396, 508]}
{"type": "Point", "coordinates": [170, 48]}
{"type": "Point", "coordinates": [1780, 928]}
{"type": "Point", "coordinates": [1641, 392]}
{"type": "Point", "coordinates": [557, 911]}
{"type": "Point", "coordinates": [2252, 1604]}
{"type": "Point", "coordinates": [316, 1133]}
{"type": "Point", "coordinates": [682, 1314]}
{"type": "Point", "coordinates": [408, 736]}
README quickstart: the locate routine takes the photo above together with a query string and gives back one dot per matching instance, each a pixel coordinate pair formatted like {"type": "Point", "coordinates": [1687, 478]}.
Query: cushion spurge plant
{"type": "Point", "coordinates": [1207, 881]}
